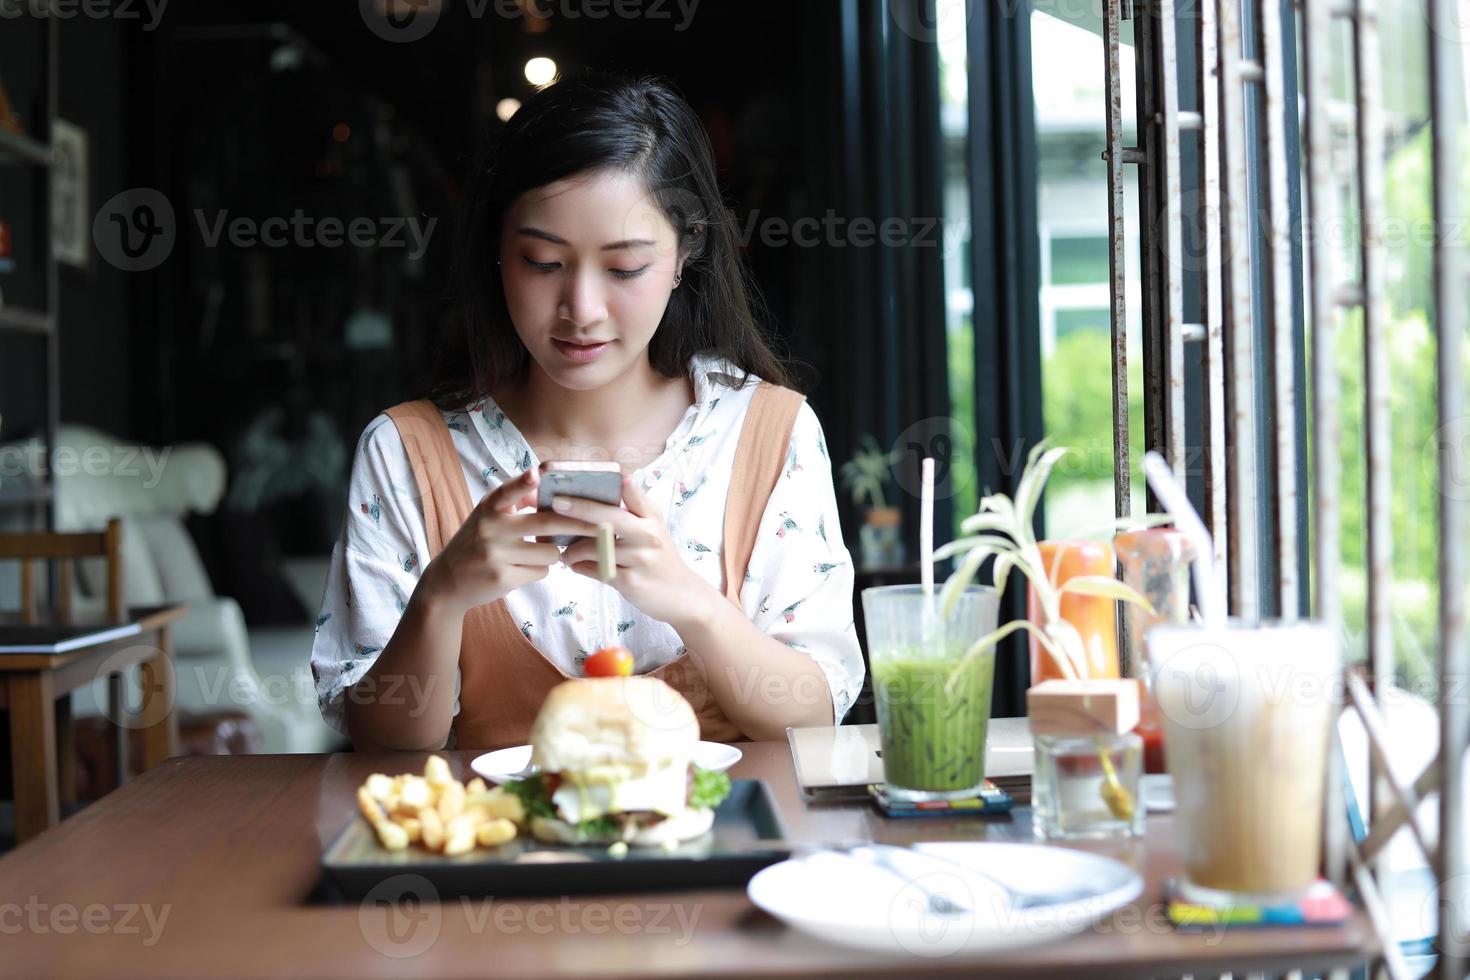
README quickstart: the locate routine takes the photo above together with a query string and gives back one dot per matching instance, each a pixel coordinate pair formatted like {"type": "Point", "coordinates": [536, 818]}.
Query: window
{"type": "Point", "coordinates": [959, 293]}
{"type": "Point", "coordinates": [1076, 332]}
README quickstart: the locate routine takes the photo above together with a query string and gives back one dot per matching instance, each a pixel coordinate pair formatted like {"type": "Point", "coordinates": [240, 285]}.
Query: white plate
{"type": "Point", "coordinates": [852, 903]}
{"type": "Point", "coordinates": [500, 765]}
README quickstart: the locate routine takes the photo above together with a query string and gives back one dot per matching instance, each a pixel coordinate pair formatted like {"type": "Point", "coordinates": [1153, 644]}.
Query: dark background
{"type": "Point", "coordinates": [262, 108]}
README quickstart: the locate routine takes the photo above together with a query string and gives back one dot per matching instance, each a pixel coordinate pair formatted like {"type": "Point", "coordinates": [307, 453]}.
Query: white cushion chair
{"type": "Point", "coordinates": [99, 476]}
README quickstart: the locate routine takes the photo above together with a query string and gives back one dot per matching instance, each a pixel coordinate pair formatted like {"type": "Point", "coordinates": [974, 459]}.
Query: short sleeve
{"type": "Point", "coordinates": [375, 567]}
{"type": "Point", "coordinates": [799, 585]}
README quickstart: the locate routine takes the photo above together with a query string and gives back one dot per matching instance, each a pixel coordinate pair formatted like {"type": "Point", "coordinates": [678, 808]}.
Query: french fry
{"type": "Point", "coordinates": [437, 811]}
{"type": "Point", "coordinates": [415, 793]}
{"type": "Point", "coordinates": [409, 824]}
{"type": "Point", "coordinates": [480, 814]}
{"type": "Point", "coordinates": [451, 800]}
{"type": "Point", "coordinates": [371, 810]}
{"type": "Point", "coordinates": [431, 828]}
{"type": "Point", "coordinates": [463, 824]}
{"type": "Point", "coordinates": [460, 843]}
{"type": "Point", "coordinates": [380, 786]}
{"type": "Point", "coordinates": [436, 769]}
{"type": "Point", "coordinates": [391, 835]}
{"type": "Point", "coordinates": [498, 803]}
{"type": "Point", "coordinates": [495, 832]}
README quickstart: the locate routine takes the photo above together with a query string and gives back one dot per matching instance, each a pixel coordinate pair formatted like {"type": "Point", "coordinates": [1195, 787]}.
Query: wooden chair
{"type": "Point", "coordinates": [65, 548]}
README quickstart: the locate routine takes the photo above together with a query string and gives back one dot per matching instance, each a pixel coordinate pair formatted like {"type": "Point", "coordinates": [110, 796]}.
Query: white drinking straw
{"type": "Point", "coordinates": [607, 570]}
{"type": "Point", "coordinates": [926, 531]}
{"type": "Point", "coordinates": [1187, 519]}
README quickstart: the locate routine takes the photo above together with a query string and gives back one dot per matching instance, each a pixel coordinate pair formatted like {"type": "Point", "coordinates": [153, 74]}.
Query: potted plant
{"type": "Point", "coordinates": [865, 476]}
{"type": "Point", "coordinates": [1002, 529]}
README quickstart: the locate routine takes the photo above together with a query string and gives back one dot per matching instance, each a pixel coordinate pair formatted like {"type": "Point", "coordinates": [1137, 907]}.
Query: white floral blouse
{"type": "Point", "coordinates": [798, 587]}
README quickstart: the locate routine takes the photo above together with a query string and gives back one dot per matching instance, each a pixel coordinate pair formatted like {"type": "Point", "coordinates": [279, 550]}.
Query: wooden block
{"type": "Point", "coordinates": [1083, 707]}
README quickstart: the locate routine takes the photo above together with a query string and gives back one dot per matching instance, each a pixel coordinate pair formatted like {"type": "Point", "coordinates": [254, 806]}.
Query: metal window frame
{"type": "Point", "coordinates": [1251, 336]}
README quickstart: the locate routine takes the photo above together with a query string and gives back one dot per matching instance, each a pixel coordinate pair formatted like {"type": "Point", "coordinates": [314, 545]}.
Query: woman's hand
{"type": "Point", "coordinates": [651, 573]}
{"type": "Point", "coordinates": [488, 556]}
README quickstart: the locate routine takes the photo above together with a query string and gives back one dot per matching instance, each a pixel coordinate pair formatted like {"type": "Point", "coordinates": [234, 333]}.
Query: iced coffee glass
{"type": "Point", "coordinates": [1247, 713]}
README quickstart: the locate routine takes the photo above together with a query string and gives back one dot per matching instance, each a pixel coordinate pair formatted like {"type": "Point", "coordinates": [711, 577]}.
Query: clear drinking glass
{"type": "Point", "coordinates": [1247, 712]}
{"type": "Point", "coordinates": [1069, 798]}
{"type": "Point", "coordinates": [933, 707]}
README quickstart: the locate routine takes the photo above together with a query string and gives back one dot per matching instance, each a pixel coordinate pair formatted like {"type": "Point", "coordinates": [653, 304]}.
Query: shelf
{"type": "Point", "coordinates": [19, 318]}
{"type": "Point", "coordinates": [14, 146]}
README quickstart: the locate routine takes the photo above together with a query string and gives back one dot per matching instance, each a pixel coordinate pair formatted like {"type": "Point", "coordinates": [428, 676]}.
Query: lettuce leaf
{"type": "Point", "coordinates": [709, 789]}
{"type": "Point", "coordinates": [599, 827]}
{"type": "Point", "coordinates": [533, 796]}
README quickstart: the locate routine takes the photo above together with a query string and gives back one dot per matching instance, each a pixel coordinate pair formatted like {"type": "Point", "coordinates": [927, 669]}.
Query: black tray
{"type": "Point", "coordinates": [733, 850]}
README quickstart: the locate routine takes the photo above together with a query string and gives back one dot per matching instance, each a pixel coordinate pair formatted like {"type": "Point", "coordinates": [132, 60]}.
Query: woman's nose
{"type": "Point", "coordinates": [583, 303]}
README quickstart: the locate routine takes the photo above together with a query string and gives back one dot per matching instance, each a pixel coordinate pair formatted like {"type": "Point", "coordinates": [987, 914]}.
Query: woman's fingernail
{"type": "Point", "coordinates": [561, 504]}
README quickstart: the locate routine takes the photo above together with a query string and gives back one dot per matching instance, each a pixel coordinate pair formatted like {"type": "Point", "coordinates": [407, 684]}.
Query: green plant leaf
{"type": "Point", "coordinates": [964, 544]}
{"type": "Point", "coordinates": [984, 522]}
{"type": "Point", "coordinates": [1104, 587]}
{"type": "Point", "coordinates": [1033, 481]}
{"type": "Point", "coordinates": [1001, 506]}
{"type": "Point", "coordinates": [991, 639]}
{"type": "Point", "coordinates": [1002, 569]}
{"type": "Point", "coordinates": [961, 577]}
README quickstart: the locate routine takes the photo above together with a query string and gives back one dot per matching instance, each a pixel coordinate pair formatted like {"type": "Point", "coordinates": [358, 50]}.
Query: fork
{"type": "Point", "coordinates": [889, 856]}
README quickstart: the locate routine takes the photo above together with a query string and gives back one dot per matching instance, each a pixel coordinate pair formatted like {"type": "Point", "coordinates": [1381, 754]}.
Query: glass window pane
{"type": "Point", "coordinates": [954, 108]}
{"type": "Point", "coordinates": [1079, 260]}
{"type": "Point", "coordinates": [1076, 331]}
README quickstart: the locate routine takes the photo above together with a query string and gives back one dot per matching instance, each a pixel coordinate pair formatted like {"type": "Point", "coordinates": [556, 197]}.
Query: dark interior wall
{"type": "Point", "coordinates": [96, 338]}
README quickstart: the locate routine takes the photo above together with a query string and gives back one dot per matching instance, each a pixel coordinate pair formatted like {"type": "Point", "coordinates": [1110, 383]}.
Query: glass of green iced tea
{"type": "Point", "coordinates": [933, 705]}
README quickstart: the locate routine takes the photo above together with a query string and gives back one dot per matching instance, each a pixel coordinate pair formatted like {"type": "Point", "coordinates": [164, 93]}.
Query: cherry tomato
{"type": "Point", "coordinates": [609, 662]}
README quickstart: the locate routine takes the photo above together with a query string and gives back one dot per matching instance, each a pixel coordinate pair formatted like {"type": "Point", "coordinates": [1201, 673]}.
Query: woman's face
{"type": "Point", "coordinates": [588, 264]}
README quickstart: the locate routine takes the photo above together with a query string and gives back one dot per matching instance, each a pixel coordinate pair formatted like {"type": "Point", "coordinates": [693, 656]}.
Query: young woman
{"type": "Point", "coordinates": [604, 318]}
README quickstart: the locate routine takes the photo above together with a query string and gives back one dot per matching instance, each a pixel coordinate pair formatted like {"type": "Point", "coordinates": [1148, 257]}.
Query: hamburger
{"type": "Point", "coordinates": [614, 759]}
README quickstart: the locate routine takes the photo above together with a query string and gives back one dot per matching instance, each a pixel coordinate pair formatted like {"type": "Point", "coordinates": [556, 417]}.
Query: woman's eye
{"type": "Point", "coordinates": [542, 266]}
{"type": "Point", "coordinates": [628, 273]}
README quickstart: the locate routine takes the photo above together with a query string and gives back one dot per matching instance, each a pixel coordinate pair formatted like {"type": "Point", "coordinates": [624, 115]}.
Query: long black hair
{"type": "Point", "coordinates": [603, 122]}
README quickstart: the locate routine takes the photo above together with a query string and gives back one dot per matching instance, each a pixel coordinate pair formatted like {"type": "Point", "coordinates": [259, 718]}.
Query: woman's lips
{"type": "Point", "coordinates": [579, 353]}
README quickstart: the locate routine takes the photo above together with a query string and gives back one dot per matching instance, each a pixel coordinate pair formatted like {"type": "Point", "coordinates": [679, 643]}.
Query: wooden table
{"type": "Point", "coordinates": [212, 862]}
{"type": "Point", "coordinates": [42, 750]}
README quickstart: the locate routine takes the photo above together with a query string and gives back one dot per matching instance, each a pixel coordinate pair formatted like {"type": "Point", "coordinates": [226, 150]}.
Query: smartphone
{"type": "Point", "coordinates": [602, 482]}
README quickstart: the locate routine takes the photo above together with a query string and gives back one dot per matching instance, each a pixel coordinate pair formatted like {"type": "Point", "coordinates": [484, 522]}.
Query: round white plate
{"type": "Point", "coordinates": [502, 764]}
{"type": "Point", "coordinates": [852, 903]}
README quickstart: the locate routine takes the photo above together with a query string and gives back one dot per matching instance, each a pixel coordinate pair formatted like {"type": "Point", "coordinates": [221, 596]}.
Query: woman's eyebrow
{"type": "Point", "coordinates": [558, 240]}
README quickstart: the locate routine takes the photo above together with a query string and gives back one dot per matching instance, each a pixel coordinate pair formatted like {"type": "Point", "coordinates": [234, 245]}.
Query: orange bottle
{"type": "Point", "coordinates": [1094, 617]}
